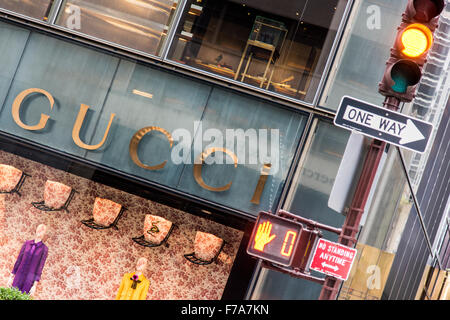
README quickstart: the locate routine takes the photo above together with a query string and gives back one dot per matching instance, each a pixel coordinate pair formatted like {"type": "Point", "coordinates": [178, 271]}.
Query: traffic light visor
{"type": "Point", "coordinates": [425, 10]}
{"type": "Point", "coordinates": [416, 39]}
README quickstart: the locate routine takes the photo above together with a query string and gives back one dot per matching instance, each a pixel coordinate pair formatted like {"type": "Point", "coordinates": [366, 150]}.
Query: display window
{"type": "Point", "coordinates": [54, 255]}
{"type": "Point", "coordinates": [278, 46]}
{"type": "Point", "coordinates": [137, 24]}
{"type": "Point", "coordinates": [285, 48]}
{"type": "Point", "coordinates": [38, 9]}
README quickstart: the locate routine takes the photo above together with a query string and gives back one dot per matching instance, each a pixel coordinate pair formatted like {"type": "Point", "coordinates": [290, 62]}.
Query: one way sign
{"type": "Point", "coordinates": [383, 124]}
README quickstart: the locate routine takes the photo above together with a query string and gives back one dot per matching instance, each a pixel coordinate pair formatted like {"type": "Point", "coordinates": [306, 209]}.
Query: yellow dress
{"type": "Point", "coordinates": [126, 292]}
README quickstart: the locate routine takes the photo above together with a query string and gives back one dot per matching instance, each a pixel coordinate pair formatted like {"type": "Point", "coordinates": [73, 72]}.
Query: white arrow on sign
{"type": "Point", "coordinates": [411, 133]}
{"type": "Point", "coordinates": [407, 132]}
{"type": "Point", "coordinates": [335, 268]}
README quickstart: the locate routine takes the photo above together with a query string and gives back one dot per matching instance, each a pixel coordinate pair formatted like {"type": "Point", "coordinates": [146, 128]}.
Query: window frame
{"type": "Point", "coordinates": [209, 76]}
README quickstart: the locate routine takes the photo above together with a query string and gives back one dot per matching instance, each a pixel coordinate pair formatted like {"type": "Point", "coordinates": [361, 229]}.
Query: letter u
{"type": "Point", "coordinates": [77, 128]}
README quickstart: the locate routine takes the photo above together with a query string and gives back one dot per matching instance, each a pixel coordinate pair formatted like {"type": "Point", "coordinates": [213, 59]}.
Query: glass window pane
{"type": "Point", "coordinates": [39, 9]}
{"type": "Point", "coordinates": [258, 134]}
{"type": "Point", "coordinates": [71, 74]}
{"type": "Point", "coordinates": [310, 198]}
{"type": "Point", "coordinates": [137, 24]}
{"type": "Point", "coordinates": [363, 60]}
{"type": "Point", "coordinates": [152, 98]}
{"type": "Point", "coordinates": [279, 46]}
{"type": "Point", "coordinates": [317, 175]}
{"type": "Point", "coordinates": [16, 38]}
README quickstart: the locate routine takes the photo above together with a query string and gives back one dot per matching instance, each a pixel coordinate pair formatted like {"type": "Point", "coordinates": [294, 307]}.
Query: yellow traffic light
{"type": "Point", "coordinates": [416, 39]}
{"type": "Point", "coordinates": [412, 43]}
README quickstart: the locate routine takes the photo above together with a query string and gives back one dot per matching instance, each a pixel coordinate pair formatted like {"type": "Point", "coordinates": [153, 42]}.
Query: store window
{"type": "Point", "coordinates": [89, 264]}
{"type": "Point", "coordinates": [361, 62]}
{"type": "Point", "coordinates": [136, 24]}
{"type": "Point", "coordinates": [102, 103]}
{"type": "Point", "coordinates": [281, 46]}
{"type": "Point", "coordinates": [309, 199]}
{"type": "Point", "coordinates": [39, 9]}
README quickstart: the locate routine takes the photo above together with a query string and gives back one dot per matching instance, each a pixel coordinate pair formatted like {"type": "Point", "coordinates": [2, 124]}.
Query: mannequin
{"type": "Point", "coordinates": [30, 263]}
{"type": "Point", "coordinates": [134, 285]}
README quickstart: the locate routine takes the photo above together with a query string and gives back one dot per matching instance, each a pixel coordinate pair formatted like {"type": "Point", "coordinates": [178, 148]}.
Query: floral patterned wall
{"type": "Point", "coordinates": [88, 264]}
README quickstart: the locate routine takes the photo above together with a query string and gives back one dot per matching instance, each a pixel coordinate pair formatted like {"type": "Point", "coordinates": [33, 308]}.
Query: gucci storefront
{"type": "Point", "coordinates": [113, 129]}
{"type": "Point", "coordinates": [131, 165]}
{"type": "Point", "coordinates": [139, 140]}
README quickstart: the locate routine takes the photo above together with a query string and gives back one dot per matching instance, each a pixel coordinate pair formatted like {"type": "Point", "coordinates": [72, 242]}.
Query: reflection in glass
{"type": "Point", "coordinates": [137, 24]}
{"type": "Point", "coordinates": [361, 65]}
{"type": "Point", "coordinates": [278, 46]}
{"type": "Point", "coordinates": [382, 227]}
{"type": "Point", "coordinates": [39, 9]}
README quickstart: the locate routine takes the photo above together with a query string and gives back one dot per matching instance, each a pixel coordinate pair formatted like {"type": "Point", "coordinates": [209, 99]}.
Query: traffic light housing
{"type": "Point", "coordinates": [408, 55]}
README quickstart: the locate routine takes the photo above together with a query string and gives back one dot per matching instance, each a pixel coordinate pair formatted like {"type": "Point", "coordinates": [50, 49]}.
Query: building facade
{"type": "Point", "coordinates": [204, 113]}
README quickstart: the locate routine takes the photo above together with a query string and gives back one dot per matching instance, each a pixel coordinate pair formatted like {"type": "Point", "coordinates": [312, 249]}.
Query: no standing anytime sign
{"type": "Point", "coordinates": [333, 259]}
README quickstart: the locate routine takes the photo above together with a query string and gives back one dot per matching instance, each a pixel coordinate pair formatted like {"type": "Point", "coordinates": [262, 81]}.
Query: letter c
{"type": "Point", "coordinates": [134, 145]}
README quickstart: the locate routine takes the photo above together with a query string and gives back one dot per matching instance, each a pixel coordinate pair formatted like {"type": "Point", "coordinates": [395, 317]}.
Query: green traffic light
{"type": "Point", "coordinates": [400, 83]}
{"type": "Point", "coordinates": [404, 73]}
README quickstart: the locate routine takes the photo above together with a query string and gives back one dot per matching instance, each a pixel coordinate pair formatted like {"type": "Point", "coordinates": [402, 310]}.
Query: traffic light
{"type": "Point", "coordinates": [409, 53]}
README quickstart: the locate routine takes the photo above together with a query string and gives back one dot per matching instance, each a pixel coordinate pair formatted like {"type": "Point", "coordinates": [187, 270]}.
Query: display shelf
{"type": "Point", "coordinates": [264, 43]}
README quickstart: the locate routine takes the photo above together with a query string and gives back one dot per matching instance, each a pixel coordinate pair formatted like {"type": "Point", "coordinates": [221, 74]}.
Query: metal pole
{"type": "Point", "coordinates": [351, 225]}
{"type": "Point", "coordinates": [419, 213]}
{"type": "Point", "coordinates": [310, 223]}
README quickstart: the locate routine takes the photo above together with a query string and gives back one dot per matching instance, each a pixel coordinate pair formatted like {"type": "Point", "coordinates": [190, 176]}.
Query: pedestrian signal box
{"type": "Point", "coordinates": [275, 239]}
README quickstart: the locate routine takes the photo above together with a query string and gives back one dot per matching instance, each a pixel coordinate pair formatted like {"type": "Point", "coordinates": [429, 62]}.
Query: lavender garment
{"type": "Point", "coordinates": [29, 265]}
